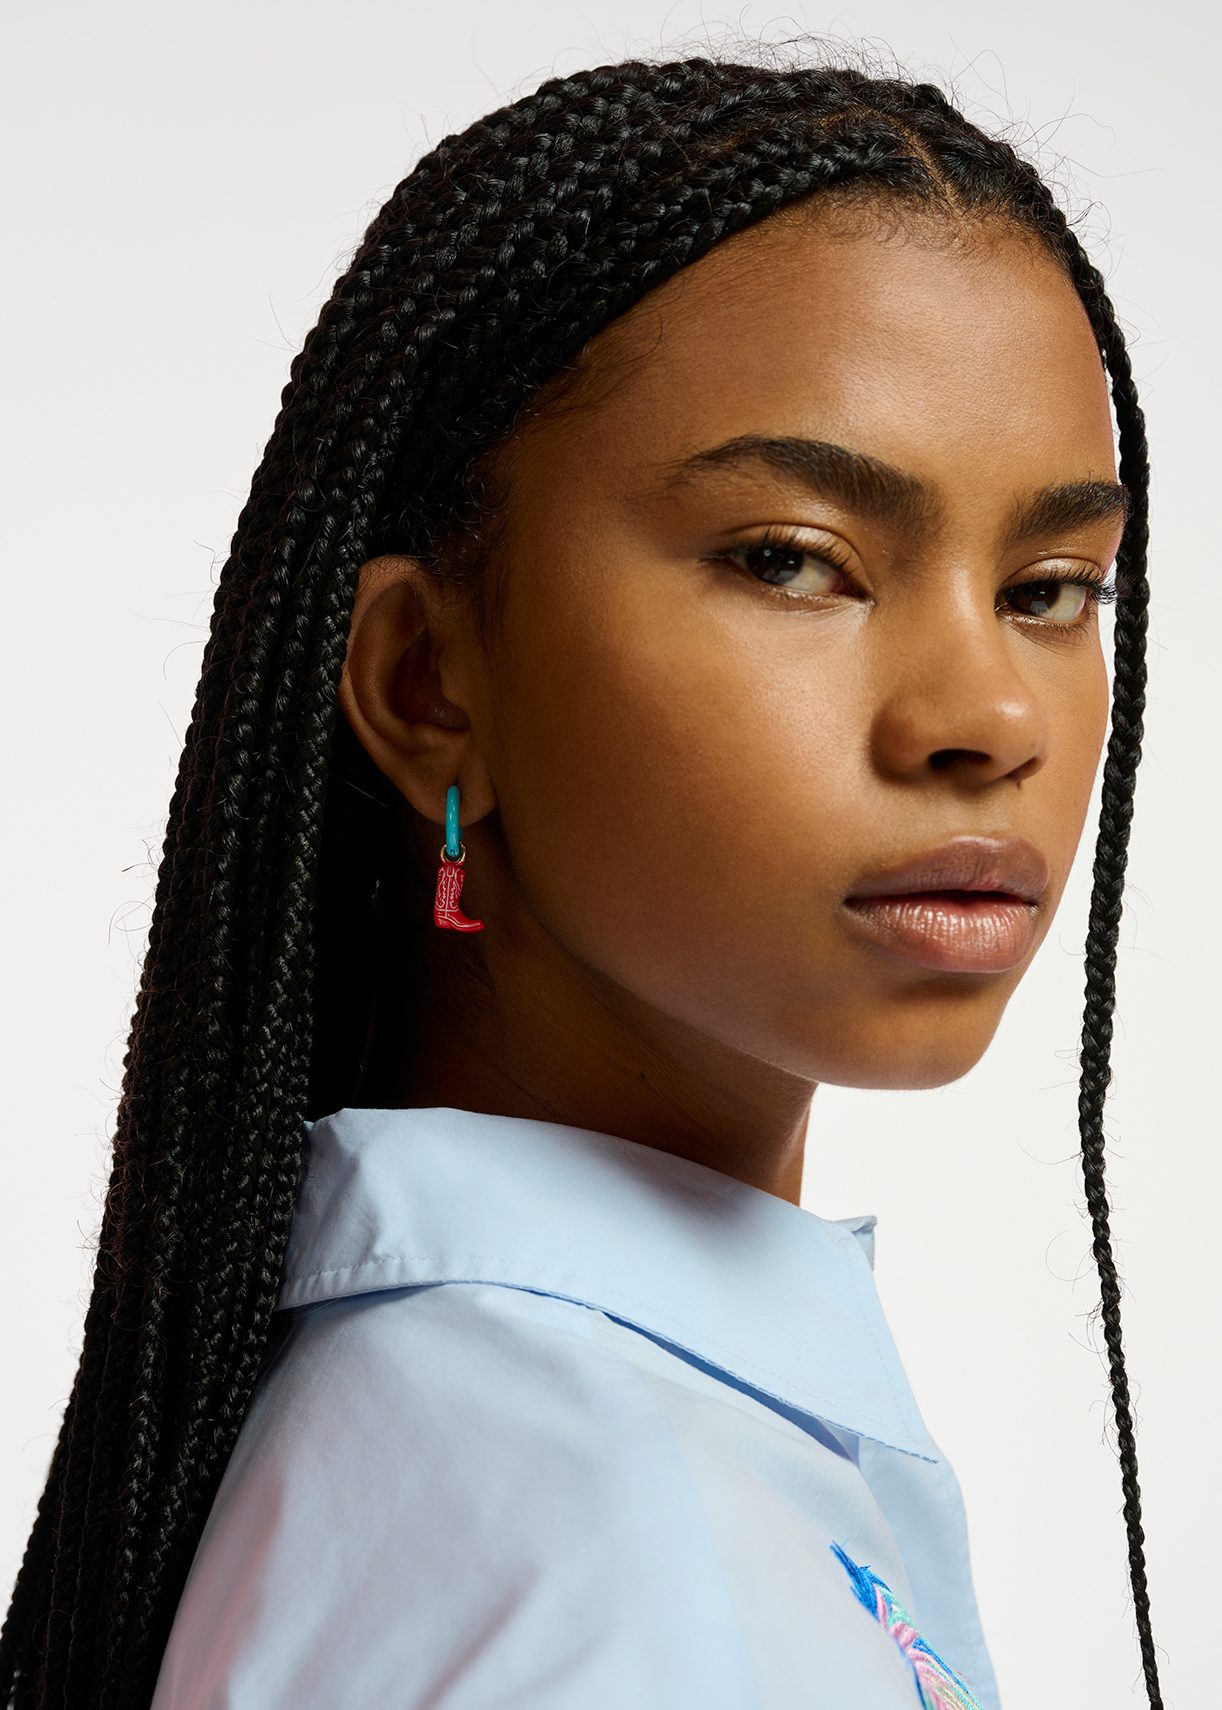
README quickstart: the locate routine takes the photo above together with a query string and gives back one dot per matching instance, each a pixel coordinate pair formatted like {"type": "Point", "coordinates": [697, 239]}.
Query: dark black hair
{"type": "Point", "coordinates": [468, 301]}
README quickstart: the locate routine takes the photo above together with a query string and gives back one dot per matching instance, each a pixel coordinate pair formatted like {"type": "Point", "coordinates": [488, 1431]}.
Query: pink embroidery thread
{"type": "Point", "coordinates": [938, 1686]}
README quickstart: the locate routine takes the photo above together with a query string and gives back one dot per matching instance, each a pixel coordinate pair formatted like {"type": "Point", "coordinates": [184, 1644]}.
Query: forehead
{"type": "Point", "coordinates": [962, 354]}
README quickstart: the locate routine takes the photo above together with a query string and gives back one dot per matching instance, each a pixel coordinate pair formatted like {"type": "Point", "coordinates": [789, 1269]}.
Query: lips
{"type": "Point", "coordinates": [1009, 867]}
{"type": "Point", "coordinates": [968, 907]}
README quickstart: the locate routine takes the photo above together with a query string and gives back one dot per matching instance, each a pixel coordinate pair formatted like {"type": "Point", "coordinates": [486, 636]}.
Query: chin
{"type": "Point", "coordinates": [920, 1075]}
{"type": "Point", "coordinates": [886, 1054]}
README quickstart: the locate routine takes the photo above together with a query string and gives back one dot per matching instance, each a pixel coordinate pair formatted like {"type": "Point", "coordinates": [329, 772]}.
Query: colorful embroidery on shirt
{"type": "Point", "coordinates": [938, 1686]}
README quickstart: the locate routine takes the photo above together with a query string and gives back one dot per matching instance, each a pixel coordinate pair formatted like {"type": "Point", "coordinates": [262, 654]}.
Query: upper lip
{"type": "Point", "coordinates": [1008, 864]}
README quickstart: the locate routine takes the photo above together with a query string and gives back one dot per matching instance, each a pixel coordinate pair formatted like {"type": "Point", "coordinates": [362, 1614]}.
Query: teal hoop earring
{"type": "Point", "coordinates": [451, 874]}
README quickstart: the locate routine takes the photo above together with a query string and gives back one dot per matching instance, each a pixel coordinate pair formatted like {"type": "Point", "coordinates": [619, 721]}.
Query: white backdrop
{"type": "Point", "coordinates": [183, 187]}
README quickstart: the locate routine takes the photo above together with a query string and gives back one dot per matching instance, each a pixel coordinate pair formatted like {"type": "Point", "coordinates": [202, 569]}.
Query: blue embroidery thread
{"type": "Point", "coordinates": [938, 1686]}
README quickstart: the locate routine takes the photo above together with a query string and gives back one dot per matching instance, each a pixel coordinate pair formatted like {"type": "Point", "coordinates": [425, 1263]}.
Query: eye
{"type": "Point", "coordinates": [776, 558]}
{"type": "Point", "coordinates": [1062, 602]}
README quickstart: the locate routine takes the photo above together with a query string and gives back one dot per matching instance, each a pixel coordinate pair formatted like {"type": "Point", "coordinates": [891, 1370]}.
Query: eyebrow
{"type": "Point", "coordinates": [884, 493]}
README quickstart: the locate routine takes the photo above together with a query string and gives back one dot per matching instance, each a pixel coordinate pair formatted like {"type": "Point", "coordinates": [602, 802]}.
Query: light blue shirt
{"type": "Point", "coordinates": [553, 1420]}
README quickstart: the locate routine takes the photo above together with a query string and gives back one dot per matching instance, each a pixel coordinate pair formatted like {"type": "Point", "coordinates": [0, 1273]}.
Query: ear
{"type": "Point", "coordinates": [405, 687]}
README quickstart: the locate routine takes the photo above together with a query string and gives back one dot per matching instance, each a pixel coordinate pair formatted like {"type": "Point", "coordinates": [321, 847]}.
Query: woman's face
{"type": "Point", "coordinates": [697, 749]}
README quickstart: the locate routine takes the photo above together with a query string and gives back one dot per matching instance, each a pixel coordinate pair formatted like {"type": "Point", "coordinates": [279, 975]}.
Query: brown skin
{"type": "Point", "coordinates": [671, 772]}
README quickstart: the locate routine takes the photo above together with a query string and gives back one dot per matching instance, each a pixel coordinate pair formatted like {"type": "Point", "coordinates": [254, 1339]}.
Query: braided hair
{"type": "Point", "coordinates": [471, 295]}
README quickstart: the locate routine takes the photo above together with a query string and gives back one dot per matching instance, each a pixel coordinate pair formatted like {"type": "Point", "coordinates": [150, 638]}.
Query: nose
{"type": "Point", "coordinates": [956, 701]}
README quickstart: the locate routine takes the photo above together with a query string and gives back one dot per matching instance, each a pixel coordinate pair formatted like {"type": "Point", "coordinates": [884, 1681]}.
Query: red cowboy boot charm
{"type": "Point", "coordinates": [446, 911]}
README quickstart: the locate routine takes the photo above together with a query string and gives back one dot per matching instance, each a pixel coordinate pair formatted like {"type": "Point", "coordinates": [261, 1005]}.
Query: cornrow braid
{"type": "Point", "coordinates": [472, 293]}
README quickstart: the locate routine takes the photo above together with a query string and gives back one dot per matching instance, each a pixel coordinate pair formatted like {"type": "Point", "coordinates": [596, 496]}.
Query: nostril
{"type": "Point", "coordinates": [951, 757]}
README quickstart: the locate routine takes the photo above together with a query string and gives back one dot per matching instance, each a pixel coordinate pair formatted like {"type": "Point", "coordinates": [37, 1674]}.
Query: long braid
{"type": "Point", "coordinates": [1111, 859]}
{"type": "Point", "coordinates": [484, 274]}
{"type": "Point", "coordinates": [1110, 862]}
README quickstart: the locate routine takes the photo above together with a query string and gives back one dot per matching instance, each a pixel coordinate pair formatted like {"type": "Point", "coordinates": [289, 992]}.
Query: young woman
{"type": "Point", "coordinates": [696, 497]}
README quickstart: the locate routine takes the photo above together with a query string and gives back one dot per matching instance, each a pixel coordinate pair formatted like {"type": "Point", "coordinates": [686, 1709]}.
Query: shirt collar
{"type": "Point", "coordinates": [781, 1300]}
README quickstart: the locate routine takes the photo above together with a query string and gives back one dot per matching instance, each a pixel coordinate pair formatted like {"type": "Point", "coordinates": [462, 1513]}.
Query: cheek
{"type": "Point", "coordinates": [1060, 794]}
{"type": "Point", "coordinates": [1081, 735]}
{"type": "Point", "coordinates": [682, 802]}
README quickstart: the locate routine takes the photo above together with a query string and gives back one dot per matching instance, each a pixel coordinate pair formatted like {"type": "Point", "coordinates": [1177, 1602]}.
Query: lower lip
{"type": "Point", "coordinates": [953, 933]}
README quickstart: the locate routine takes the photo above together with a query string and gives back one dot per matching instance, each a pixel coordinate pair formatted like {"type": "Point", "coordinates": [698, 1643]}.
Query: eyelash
{"type": "Point", "coordinates": [1098, 593]}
